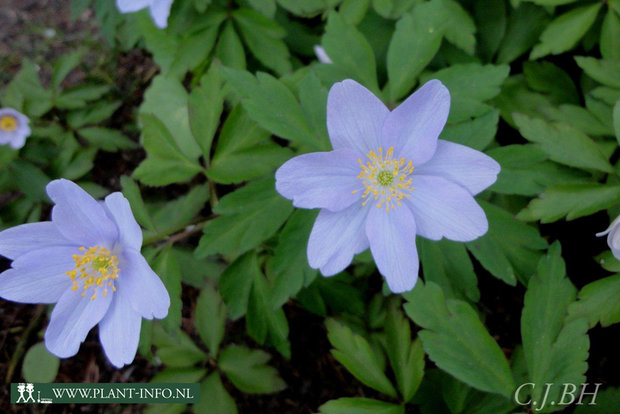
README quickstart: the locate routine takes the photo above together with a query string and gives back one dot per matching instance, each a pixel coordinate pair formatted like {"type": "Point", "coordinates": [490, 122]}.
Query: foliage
{"type": "Point", "coordinates": [236, 90]}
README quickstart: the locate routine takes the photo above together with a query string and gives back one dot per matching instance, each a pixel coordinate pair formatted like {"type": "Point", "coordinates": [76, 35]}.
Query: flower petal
{"type": "Point", "coordinates": [130, 6]}
{"type": "Point", "coordinates": [472, 169]}
{"type": "Point", "coordinates": [321, 179]}
{"type": "Point", "coordinates": [442, 208]}
{"type": "Point", "coordinates": [413, 127]}
{"type": "Point", "coordinates": [160, 10]}
{"type": "Point", "coordinates": [354, 117]}
{"type": "Point", "coordinates": [72, 318]}
{"type": "Point", "coordinates": [130, 234]}
{"type": "Point", "coordinates": [146, 292]}
{"type": "Point", "coordinates": [119, 331]}
{"type": "Point", "coordinates": [25, 237]}
{"type": "Point", "coordinates": [78, 216]}
{"type": "Point", "coordinates": [392, 244]}
{"type": "Point", "coordinates": [336, 238]}
{"type": "Point", "coordinates": [38, 276]}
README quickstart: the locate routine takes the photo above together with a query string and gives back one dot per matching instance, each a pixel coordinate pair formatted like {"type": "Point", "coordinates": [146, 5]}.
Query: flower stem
{"type": "Point", "coordinates": [176, 234]}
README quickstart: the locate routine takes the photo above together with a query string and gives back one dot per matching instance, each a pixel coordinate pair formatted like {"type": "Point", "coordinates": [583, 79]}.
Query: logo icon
{"type": "Point", "coordinates": [29, 389]}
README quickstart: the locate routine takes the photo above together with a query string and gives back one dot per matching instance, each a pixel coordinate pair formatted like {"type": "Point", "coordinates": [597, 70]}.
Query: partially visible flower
{"type": "Point", "coordinates": [87, 260]}
{"type": "Point", "coordinates": [160, 9]}
{"type": "Point", "coordinates": [14, 128]}
{"type": "Point", "coordinates": [387, 179]}
{"type": "Point", "coordinates": [613, 237]}
{"type": "Point", "coordinates": [321, 54]}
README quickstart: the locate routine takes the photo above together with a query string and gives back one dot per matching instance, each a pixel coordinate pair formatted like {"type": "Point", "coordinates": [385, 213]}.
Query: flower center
{"type": "Point", "coordinates": [95, 268]}
{"type": "Point", "coordinates": [8, 123]}
{"type": "Point", "coordinates": [386, 179]}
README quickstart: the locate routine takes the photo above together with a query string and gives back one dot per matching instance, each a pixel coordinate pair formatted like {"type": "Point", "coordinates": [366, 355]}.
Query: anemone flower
{"type": "Point", "coordinates": [388, 179]}
{"type": "Point", "coordinates": [14, 128]}
{"type": "Point", "coordinates": [160, 9]}
{"type": "Point", "coordinates": [87, 261]}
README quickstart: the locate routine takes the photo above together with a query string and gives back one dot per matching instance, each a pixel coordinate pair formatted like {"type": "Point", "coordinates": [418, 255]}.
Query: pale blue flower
{"type": "Point", "coordinates": [160, 9]}
{"type": "Point", "coordinates": [387, 180]}
{"type": "Point", "coordinates": [86, 260]}
{"type": "Point", "coordinates": [321, 54]}
{"type": "Point", "coordinates": [14, 128]}
{"type": "Point", "coordinates": [613, 237]}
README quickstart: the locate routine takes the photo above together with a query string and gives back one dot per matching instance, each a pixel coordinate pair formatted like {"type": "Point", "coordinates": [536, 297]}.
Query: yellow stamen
{"type": "Point", "coordinates": [385, 179]}
{"type": "Point", "coordinates": [8, 123]}
{"type": "Point", "coordinates": [95, 268]}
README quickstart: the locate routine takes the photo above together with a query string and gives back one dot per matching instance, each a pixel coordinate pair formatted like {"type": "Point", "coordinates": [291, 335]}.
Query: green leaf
{"type": "Point", "coordinates": [39, 365]}
{"type": "Point", "coordinates": [245, 291]}
{"type": "Point", "coordinates": [205, 105]}
{"type": "Point", "coordinates": [548, 78]}
{"type": "Point", "coordinates": [132, 192]}
{"type": "Point", "coordinates": [491, 22]}
{"type": "Point", "coordinates": [415, 42]}
{"type": "Point", "coordinates": [510, 249]}
{"type": "Point", "coordinates": [214, 397]}
{"type": "Point", "coordinates": [360, 406]}
{"type": "Point", "coordinates": [166, 99]}
{"type": "Point", "coordinates": [229, 49]}
{"type": "Point", "coordinates": [447, 264]}
{"type": "Point", "coordinates": [290, 258]}
{"type": "Point", "coordinates": [313, 99]}
{"type": "Point", "coordinates": [166, 164]}
{"type": "Point", "coordinates": [236, 284]}
{"type": "Point", "coordinates": [565, 31]}
{"type": "Point", "coordinates": [107, 139]}
{"type": "Point", "coordinates": [572, 201]}
{"type": "Point", "coordinates": [616, 119]}
{"type": "Point", "coordinates": [610, 36]}
{"type": "Point", "coordinates": [273, 106]}
{"type": "Point", "coordinates": [247, 369]}
{"type": "Point", "coordinates": [167, 268]}
{"type": "Point", "coordinates": [349, 49]}
{"type": "Point", "coordinates": [64, 65]}
{"type": "Point", "coordinates": [525, 25]}
{"type": "Point", "coordinates": [263, 37]}
{"type": "Point", "coordinates": [359, 358]}
{"type": "Point", "coordinates": [25, 92]}
{"type": "Point", "coordinates": [248, 216]}
{"type": "Point", "coordinates": [210, 318]}
{"type": "Point", "coordinates": [79, 96]}
{"type": "Point", "coordinates": [606, 72]}
{"type": "Point", "coordinates": [475, 133]}
{"type": "Point", "coordinates": [406, 357]}
{"type": "Point", "coordinates": [563, 143]}
{"type": "Point", "coordinates": [460, 27]}
{"type": "Point", "coordinates": [470, 85]}
{"type": "Point", "coordinates": [598, 302]}
{"type": "Point", "coordinates": [191, 374]}
{"type": "Point", "coordinates": [176, 349]}
{"type": "Point", "coordinates": [555, 348]}
{"type": "Point", "coordinates": [457, 341]}
{"type": "Point", "coordinates": [606, 402]}
{"type": "Point", "coordinates": [526, 170]}
{"type": "Point", "coordinates": [244, 151]}
{"type": "Point", "coordinates": [93, 114]}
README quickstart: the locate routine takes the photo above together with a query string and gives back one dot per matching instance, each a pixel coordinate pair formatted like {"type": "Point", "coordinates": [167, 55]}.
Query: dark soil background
{"type": "Point", "coordinates": [42, 30]}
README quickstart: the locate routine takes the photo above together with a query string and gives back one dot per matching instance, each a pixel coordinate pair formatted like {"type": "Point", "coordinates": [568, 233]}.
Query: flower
{"type": "Point", "coordinates": [613, 237]}
{"type": "Point", "coordinates": [160, 9]}
{"type": "Point", "coordinates": [14, 128]}
{"type": "Point", "coordinates": [86, 260]}
{"type": "Point", "coordinates": [321, 54]}
{"type": "Point", "coordinates": [387, 180]}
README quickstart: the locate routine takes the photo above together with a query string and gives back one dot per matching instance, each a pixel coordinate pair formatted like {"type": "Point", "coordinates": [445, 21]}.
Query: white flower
{"type": "Point", "coordinates": [321, 54]}
{"type": "Point", "coordinates": [160, 9]}
{"type": "Point", "coordinates": [613, 237]}
{"type": "Point", "coordinates": [14, 128]}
